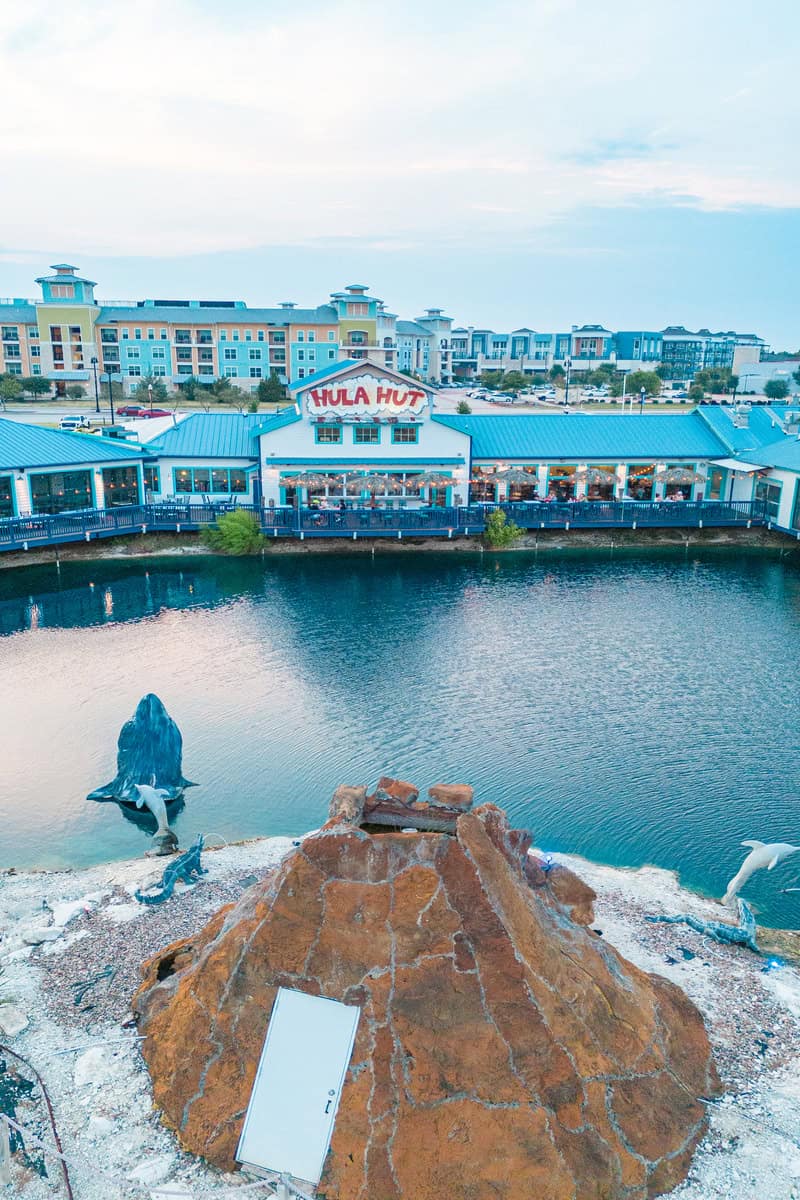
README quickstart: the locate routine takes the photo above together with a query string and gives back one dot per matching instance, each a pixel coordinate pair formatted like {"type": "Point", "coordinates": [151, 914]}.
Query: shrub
{"type": "Point", "coordinates": [696, 392]}
{"type": "Point", "coordinates": [464, 408]}
{"type": "Point", "coordinates": [235, 532]}
{"type": "Point", "coordinates": [499, 531]}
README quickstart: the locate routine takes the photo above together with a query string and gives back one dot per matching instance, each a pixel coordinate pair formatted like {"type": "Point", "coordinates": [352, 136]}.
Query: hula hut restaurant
{"type": "Point", "coordinates": [362, 436]}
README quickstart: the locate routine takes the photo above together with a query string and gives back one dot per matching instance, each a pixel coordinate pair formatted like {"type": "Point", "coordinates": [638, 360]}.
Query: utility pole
{"type": "Point", "coordinates": [110, 396]}
{"type": "Point", "coordinates": [568, 368]}
{"type": "Point", "coordinates": [96, 387]}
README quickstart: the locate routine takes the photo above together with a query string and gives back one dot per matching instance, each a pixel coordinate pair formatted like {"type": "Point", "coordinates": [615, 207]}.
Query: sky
{"type": "Point", "coordinates": [535, 163]}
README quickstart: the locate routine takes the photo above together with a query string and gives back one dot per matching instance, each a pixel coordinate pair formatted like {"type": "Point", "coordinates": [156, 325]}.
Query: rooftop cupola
{"type": "Point", "coordinates": [66, 286]}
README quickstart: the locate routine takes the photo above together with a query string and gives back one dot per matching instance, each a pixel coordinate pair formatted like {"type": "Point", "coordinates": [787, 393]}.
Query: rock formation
{"type": "Point", "coordinates": [149, 751]}
{"type": "Point", "coordinates": [504, 1050]}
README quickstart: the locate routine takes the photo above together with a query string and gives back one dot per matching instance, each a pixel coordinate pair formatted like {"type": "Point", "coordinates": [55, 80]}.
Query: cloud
{"type": "Point", "coordinates": [194, 129]}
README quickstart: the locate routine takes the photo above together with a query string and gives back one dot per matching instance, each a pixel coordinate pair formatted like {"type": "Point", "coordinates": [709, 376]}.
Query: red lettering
{"type": "Point", "coordinates": [361, 396]}
{"type": "Point", "coordinates": [321, 397]}
{"type": "Point", "coordinates": [384, 395]}
{"type": "Point", "coordinates": [347, 399]}
{"type": "Point", "coordinates": [413, 397]}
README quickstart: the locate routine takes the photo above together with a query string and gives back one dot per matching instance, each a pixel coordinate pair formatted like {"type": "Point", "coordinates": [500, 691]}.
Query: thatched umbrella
{"type": "Point", "coordinates": [311, 479]}
{"type": "Point", "coordinates": [432, 479]}
{"type": "Point", "coordinates": [516, 475]}
{"type": "Point", "coordinates": [679, 475]}
{"type": "Point", "coordinates": [374, 484]}
{"type": "Point", "coordinates": [595, 475]}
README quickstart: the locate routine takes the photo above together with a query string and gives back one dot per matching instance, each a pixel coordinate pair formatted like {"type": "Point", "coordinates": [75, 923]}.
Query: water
{"type": "Point", "coordinates": [632, 709]}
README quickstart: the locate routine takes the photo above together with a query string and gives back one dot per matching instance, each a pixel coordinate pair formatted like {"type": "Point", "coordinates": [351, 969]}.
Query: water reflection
{"type": "Point", "coordinates": [632, 708]}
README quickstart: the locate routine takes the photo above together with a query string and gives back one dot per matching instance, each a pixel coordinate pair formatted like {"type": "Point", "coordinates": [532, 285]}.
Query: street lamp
{"type": "Point", "coordinates": [568, 368]}
{"type": "Point", "coordinates": [96, 387]}
{"type": "Point", "coordinates": [110, 395]}
{"type": "Point", "coordinates": [150, 397]}
{"type": "Point", "coordinates": [642, 394]}
{"type": "Point", "coordinates": [624, 384]}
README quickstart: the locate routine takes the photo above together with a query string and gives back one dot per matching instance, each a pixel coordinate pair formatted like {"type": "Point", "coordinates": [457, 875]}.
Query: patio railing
{"type": "Point", "coordinates": [354, 522]}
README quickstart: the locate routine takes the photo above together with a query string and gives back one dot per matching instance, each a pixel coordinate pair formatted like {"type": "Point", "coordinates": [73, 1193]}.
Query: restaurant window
{"type": "Point", "coordinates": [483, 488]}
{"type": "Point", "coordinates": [328, 435]}
{"type": "Point", "coordinates": [219, 480]}
{"type": "Point", "coordinates": [598, 486]}
{"type": "Point", "coordinates": [769, 494]}
{"type": "Point", "coordinates": [201, 478]}
{"type": "Point", "coordinates": [238, 480]}
{"type": "Point", "coordinates": [183, 479]}
{"type": "Point", "coordinates": [525, 491]}
{"type": "Point", "coordinates": [640, 481]}
{"type": "Point", "coordinates": [366, 435]}
{"type": "Point", "coordinates": [120, 486]}
{"type": "Point", "coordinates": [561, 481]}
{"type": "Point", "coordinates": [716, 484]}
{"type": "Point", "coordinates": [404, 435]}
{"type": "Point", "coordinates": [677, 489]}
{"type": "Point", "coordinates": [152, 479]}
{"type": "Point", "coordinates": [61, 491]}
{"type": "Point", "coordinates": [6, 496]}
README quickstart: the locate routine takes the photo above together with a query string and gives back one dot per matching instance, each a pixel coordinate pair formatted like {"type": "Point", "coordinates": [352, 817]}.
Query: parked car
{"type": "Point", "coordinates": [130, 410]}
{"type": "Point", "coordinates": [155, 412]}
{"type": "Point", "coordinates": [73, 424]}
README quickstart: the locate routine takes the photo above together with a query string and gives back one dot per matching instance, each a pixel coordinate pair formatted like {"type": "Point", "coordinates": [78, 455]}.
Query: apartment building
{"type": "Point", "coordinates": [67, 335]}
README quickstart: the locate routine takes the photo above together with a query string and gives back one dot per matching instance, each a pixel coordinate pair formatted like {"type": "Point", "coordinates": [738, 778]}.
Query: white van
{"type": "Point", "coordinates": [73, 424]}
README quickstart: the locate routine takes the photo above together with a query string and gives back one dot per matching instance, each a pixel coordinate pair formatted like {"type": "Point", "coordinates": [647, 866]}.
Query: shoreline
{"type": "Point", "coordinates": [89, 1059]}
{"type": "Point", "coordinates": [164, 545]}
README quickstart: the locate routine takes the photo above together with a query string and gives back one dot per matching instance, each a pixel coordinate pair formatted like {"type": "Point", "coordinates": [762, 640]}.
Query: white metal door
{"type": "Point", "coordinates": [295, 1096]}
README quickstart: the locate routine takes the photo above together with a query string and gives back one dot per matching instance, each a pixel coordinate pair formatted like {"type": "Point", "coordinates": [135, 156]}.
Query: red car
{"type": "Point", "coordinates": [130, 410]}
{"type": "Point", "coordinates": [154, 412]}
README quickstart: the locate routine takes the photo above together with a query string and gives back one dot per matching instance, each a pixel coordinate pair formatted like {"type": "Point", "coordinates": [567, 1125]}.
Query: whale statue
{"type": "Point", "coordinates": [149, 752]}
{"type": "Point", "coordinates": [153, 799]}
{"type": "Point", "coordinates": [762, 854]}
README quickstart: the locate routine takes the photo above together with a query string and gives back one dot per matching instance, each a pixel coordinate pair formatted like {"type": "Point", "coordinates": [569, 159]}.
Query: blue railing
{"type": "Point", "coordinates": [354, 522]}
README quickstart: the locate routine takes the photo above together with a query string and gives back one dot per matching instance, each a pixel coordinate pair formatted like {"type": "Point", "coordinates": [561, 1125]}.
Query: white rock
{"type": "Point", "coordinates": [67, 911]}
{"type": "Point", "coordinates": [152, 1170]}
{"type": "Point", "coordinates": [35, 937]}
{"type": "Point", "coordinates": [12, 1020]}
{"type": "Point", "coordinates": [118, 914]}
{"type": "Point", "coordinates": [94, 1067]}
{"type": "Point", "coordinates": [98, 1127]}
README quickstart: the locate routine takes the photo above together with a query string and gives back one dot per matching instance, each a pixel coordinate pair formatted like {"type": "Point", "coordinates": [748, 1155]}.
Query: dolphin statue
{"type": "Point", "coordinates": [153, 798]}
{"type": "Point", "coordinates": [762, 854]}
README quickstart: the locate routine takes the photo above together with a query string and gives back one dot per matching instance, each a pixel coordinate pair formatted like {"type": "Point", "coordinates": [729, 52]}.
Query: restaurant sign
{"type": "Point", "coordinates": [366, 396]}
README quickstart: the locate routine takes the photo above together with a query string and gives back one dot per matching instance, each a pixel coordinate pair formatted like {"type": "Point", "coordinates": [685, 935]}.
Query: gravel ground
{"type": "Point", "coordinates": [87, 1052]}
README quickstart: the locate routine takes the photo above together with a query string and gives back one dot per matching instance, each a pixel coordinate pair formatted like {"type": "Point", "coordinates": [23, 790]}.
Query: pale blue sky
{"type": "Point", "coordinates": [528, 162]}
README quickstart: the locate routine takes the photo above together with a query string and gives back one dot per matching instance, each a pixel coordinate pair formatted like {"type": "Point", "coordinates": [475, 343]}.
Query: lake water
{"type": "Point", "coordinates": [633, 709]}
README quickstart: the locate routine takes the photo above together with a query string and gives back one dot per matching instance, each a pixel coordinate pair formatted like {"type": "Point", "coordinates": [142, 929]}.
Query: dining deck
{"type": "Point", "coordinates": [25, 533]}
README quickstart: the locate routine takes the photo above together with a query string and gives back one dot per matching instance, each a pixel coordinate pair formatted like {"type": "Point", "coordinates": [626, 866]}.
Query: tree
{"type": "Point", "coordinates": [733, 384]}
{"type": "Point", "coordinates": [271, 391]}
{"type": "Point", "coordinates": [491, 379]}
{"type": "Point", "coordinates": [142, 393]}
{"type": "Point", "coordinates": [236, 532]}
{"type": "Point", "coordinates": [514, 381]}
{"type": "Point", "coordinates": [76, 391]}
{"type": "Point", "coordinates": [643, 379]}
{"type": "Point", "coordinates": [663, 372]}
{"type": "Point", "coordinates": [556, 372]}
{"type": "Point", "coordinates": [192, 388]}
{"type": "Point", "coordinates": [776, 389]}
{"type": "Point", "coordinates": [500, 532]}
{"type": "Point", "coordinates": [464, 408]}
{"type": "Point", "coordinates": [35, 385]}
{"type": "Point", "coordinates": [10, 387]}
{"type": "Point", "coordinates": [696, 392]}
{"type": "Point", "coordinates": [796, 377]}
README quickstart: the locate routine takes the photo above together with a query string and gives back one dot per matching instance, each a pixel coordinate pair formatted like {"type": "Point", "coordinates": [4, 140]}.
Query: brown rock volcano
{"type": "Point", "coordinates": [503, 1050]}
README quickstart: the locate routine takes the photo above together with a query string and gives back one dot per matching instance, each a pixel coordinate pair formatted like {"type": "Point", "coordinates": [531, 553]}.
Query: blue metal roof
{"type": "Point", "coordinates": [783, 454]}
{"type": "Point", "coordinates": [210, 435]}
{"type": "Point", "coordinates": [763, 423]}
{"type": "Point", "coordinates": [32, 446]}
{"type": "Point", "coordinates": [324, 314]}
{"type": "Point", "coordinates": [17, 314]}
{"type": "Point", "coordinates": [582, 437]}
